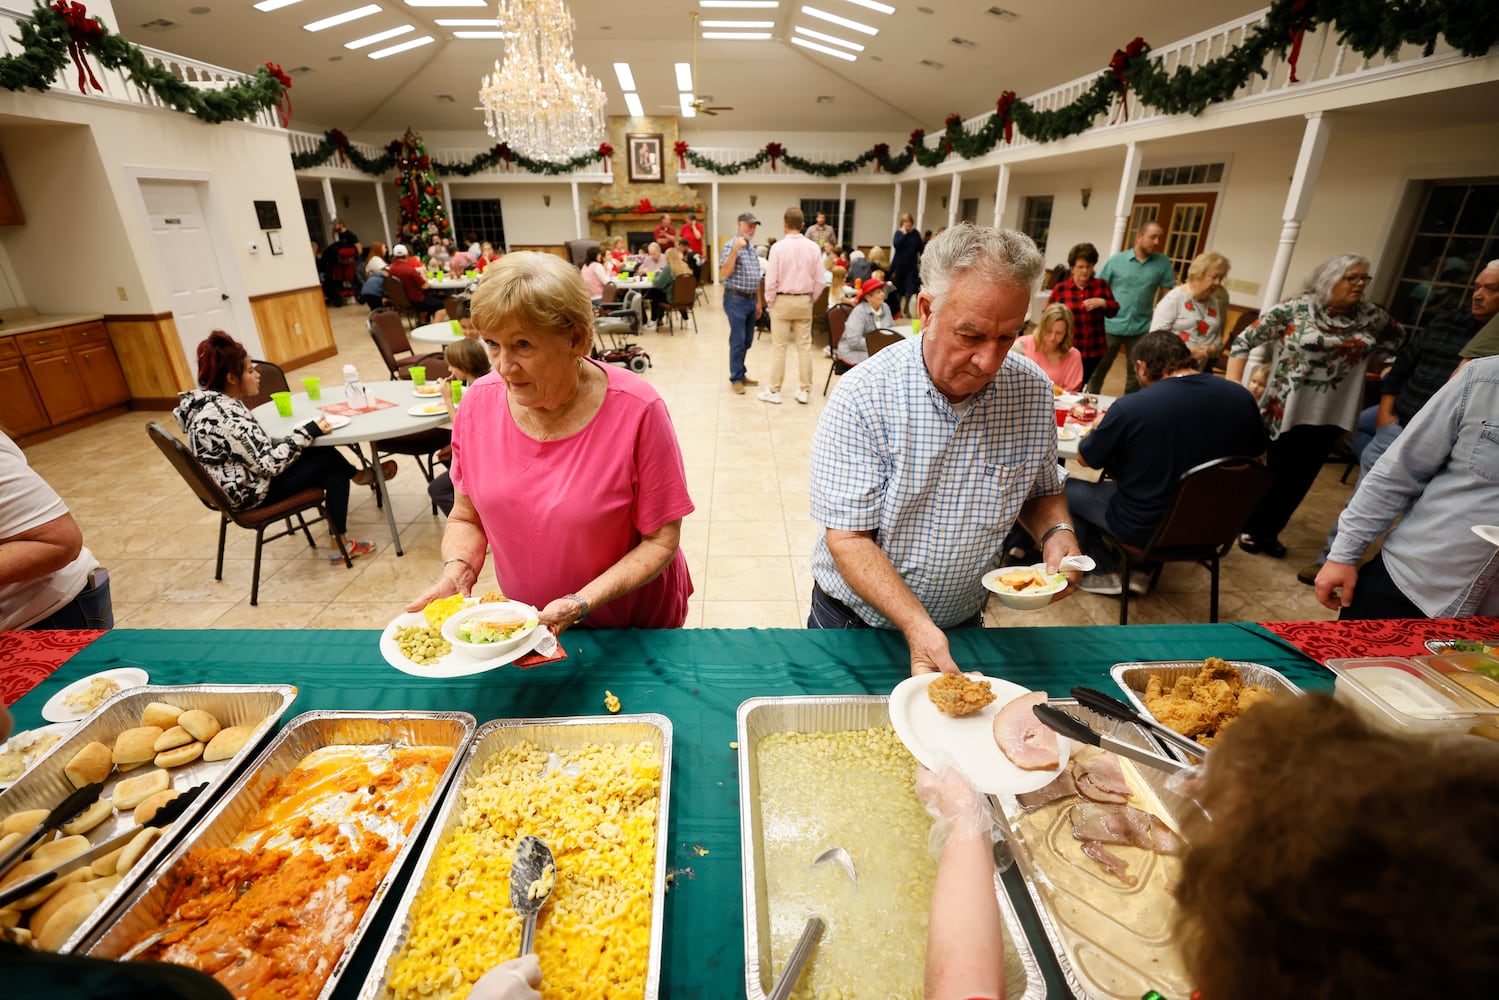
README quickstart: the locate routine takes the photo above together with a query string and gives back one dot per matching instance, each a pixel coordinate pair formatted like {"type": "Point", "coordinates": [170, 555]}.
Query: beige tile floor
{"type": "Point", "coordinates": [748, 545]}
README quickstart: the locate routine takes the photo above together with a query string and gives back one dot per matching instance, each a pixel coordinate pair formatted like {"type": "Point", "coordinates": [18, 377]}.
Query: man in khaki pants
{"type": "Point", "coordinates": [793, 275]}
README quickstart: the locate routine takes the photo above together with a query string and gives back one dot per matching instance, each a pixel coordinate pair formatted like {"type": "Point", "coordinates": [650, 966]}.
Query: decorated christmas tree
{"type": "Point", "coordinates": [424, 218]}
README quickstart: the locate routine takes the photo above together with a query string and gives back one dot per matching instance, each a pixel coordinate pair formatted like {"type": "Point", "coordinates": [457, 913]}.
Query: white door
{"type": "Point", "coordinates": [189, 266]}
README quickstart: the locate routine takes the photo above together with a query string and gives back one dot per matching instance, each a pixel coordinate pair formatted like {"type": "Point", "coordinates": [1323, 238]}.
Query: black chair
{"type": "Point", "coordinates": [395, 292]}
{"type": "Point", "coordinates": [272, 379]}
{"type": "Point", "coordinates": [255, 519]}
{"type": "Point", "coordinates": [1211, 504]}
{"type": "Point", "coordinates": [389, 334]}
{"type": "Point", "coordinates": [422, 446]}
{"type": "Point", "coordinates": [837, 320]}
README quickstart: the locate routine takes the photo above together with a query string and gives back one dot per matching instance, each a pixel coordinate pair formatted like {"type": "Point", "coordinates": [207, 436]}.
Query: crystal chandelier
{"type": "Point", "coordinates": [539, 101]}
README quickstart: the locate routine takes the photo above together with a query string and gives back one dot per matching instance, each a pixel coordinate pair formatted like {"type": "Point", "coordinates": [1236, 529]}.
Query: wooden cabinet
{"type": "Point", "coordinates": [20, 407]}
{"type": "Point", "coordinates": [50, 377]}
{"type": "Point", "coordinates": [102, 378]}
{"type": "Point", "coordinates": [60, 385]}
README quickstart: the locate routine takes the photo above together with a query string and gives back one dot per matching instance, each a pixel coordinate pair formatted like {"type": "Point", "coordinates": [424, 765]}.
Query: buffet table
{"type": "Point", "coordinates": [698, 679]}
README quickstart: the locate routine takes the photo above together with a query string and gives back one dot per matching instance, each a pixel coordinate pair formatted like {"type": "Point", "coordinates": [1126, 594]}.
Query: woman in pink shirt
{"type": "Point", "coordinates": [1051, 348]}
{"type": "Point", "coordinates": [595, 276]}
{"type": "Point", "coordinates": [567, 469]}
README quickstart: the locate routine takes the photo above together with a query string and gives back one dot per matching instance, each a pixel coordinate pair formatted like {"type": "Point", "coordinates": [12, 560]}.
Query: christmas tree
{"type": "Point", "coordinates": [424, 218]}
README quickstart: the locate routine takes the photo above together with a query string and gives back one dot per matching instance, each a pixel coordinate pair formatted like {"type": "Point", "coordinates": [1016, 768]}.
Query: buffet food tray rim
{"type": "Point", "coordinates": [235, 807]}
{"type": "Point", "coordinates": [1252, 673]}
{"type": "Point", "coordinates": [44, 784]}
{"type": "Point", "coordinates": [485, 742]}
{"type": "Point", "coordinates": [1035, 984]}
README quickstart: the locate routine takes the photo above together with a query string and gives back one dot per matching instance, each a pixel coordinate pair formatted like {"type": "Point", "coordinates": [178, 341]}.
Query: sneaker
{"type": "Point", "coordinates": [767, 396]}
{"type": "Point", "coordinates": [750, 381]}
{"type": "Point", "coordinates": [827, 351]}
{"type": "Point", "coordinates": [1106, 584]}
{"type": "Point", "coordinates": [1139, 584]}
{"type": "Point", "coordinates": [802, 397]}
{"type": "Point", "coordinates": [366, 476]}
{"type": "Point", "coordinates": [1270, 546]}
{"type": "Point", "coordinates": [737, 387]}
{"type": "Point", "coordinates": [355, 550]}
{"type": "Point", "coordinates": [1308, 573]}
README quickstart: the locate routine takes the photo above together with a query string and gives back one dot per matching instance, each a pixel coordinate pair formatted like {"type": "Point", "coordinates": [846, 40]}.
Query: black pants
{"type": "Point", "coordinates": [829, 612]}
{"type": "Point", "coordinates": [318, 468]}
{"type": "Point", "coordinates": [440, 489]}
{"type": "Point", "coordinates": [657, 300]}
{"type": "Point", "coordinates": [1378, 596]}
{"type": "Point", "coordinates": [1088, 365]}
{"type": "Point", "coordinates": [1295, 458]}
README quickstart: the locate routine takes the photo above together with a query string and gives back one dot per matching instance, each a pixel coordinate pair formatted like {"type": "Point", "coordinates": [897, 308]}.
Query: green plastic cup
{"type": "Point", "coordinates": [915, 325]}
{"type": "Point", "coordinates": [283, 403]}
{"type": "Point", "coordinates": [457, 391]}
{"type": "Point", "coordinates": [418, 375]}
{"type": "Point", "coordinates": [457, 327]}
{"type": "Point", "coordinates": [314, 387]}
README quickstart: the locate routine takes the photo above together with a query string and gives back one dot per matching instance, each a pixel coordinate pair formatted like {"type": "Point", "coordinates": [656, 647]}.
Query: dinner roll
{"type": "Point", "coordinates": [178, 756]}
{"type": "Point", "coordinates": [53, 934]}
{"type": "Point", "coordinates": [227, 743]}
{"type": "Point", "coordinates": [92, 763]}
{"type": "Point", "coordinates": [23, 821]}
{"type": "Point", "coordinates": [106, 865]}
{"type": "Point", "coordinates": [201, 724]}
{"type": "Point", "coordinates": [137, 847]}
{"type": "Point", "coordinates": [123, 768]}
{"type": "Point", "coordinates": [135, 746]}
{"type": "Point", "coordinates": [90, 817]}
{"type": "Point", "coordinates": [148, 808]}
{"type": "Point", "coordinates": [172, 738]}
{"type": "Point", "coordinates": [6, 840]}
{"type": "Point", "coordinates": [43, 914]}
{"type": "Point", "coordinates": [56, 852]}
{"type": "Point", "coordinates": [133, 791]}
{"type": "Point", "coordinates": [26, 869]}
{"type": "Point", "coordinates": [160, 714]}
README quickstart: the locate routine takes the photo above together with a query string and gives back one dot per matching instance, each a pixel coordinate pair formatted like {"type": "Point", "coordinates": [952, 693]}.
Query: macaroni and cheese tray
{"type": "Point", "coordinates": [273, 891]}
{"type": "Point", "coordinates": [246, 712]}
{"type": "Point", "coordinates": [597, 792]}
{"type": "Point", "coordinates": [818, 772]}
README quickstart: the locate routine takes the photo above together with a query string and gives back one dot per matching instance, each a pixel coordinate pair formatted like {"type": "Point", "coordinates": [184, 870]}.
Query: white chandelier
{"type": "Point", "coordinates": [538, 101]}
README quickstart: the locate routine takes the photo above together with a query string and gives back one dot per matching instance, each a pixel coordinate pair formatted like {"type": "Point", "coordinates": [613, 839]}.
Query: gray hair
{"type": "Point", "coordinates": [1329, 273]}
{"type": "Point", "coordinates": [1492, 265]}
{"type": "Point", "coordinates": [1002, 256]}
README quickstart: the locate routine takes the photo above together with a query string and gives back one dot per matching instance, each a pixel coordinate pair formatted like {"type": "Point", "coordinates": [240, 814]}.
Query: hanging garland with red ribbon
{"type": "Point", "coordinates": [606, 151]}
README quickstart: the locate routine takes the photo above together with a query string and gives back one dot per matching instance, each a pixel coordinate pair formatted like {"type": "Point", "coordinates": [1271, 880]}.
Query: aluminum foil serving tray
{"type": "Point", "coordinates": [760, 717]}
{"type": "Point", "coordinates": [561, 734]}
{"type": "Point", "coordinates": [146, 908]}
{"type": "Point", "coordinates": [45, 785]}
{"type": "Point", "coordinates": [1132, 678]}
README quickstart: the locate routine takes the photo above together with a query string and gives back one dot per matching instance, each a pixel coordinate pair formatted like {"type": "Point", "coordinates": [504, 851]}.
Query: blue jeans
{"type": "Point", "coordinates": [829, 612]}
{"type": "Point", "coordinates": [741, 313]}
{"type": "Point", "coordinates": [91, 609]}
{"type": "Point", "coordinates": [1369, 446]}
{"type": "Point", "coordinates": [1088, 504]}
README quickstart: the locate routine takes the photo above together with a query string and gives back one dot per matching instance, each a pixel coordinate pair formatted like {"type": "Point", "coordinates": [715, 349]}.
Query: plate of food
{"type": "Point", "coordinates": [1066, 434]}
{"type": "Point", "coordinates": [982, 725]}
{"type": "Point", "coordinates": [335, 420]}
{"type": "Point", "coordinates": [414, 643]}
{"type": "Point", "coordinates": [1439, 646]}
{"type": "Point", "coordinates": [24, 749]}
{"type": "Point", "coordinates": [427, 410]}
{"type": "Point", "coordinates": [81, 697]}
{"type": "Point", "coordinates": [427, 390]}
{"type": "Point", "coordinates": [1024, 588]}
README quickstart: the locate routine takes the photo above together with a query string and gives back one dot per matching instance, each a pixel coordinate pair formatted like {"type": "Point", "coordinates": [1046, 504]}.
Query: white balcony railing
{"type": "Point", "coordinates": [117, 88]}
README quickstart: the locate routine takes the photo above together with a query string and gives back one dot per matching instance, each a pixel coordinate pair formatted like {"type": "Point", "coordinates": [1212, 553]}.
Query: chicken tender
{"type": "Point", "coordinates": [958, 695]}
{"type": "Point", "coordinates": [1203, 704]}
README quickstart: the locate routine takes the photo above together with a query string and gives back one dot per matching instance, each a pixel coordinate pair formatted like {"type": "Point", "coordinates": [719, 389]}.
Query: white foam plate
{"type": "Point", "coordinates": [436, 391]}
{"type": "Point", "coordinates": [935, 739]}
{"type": "Point", "coordinates": [23, 741]}
{"type": "Point", "coordinates": [1066, 434]}
{"type": "Point", "coordinates": [336, 420]}
{"type": "Point", "coordinates": [57, 708]}
{"type": "Point", "coordinates": [428, 410]}
{"type": "Point", "coordinates": [454, 663]}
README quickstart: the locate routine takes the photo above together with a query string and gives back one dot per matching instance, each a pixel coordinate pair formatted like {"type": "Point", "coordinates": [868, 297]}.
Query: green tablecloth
{"type": "Point", "coordinates": [695, 677]}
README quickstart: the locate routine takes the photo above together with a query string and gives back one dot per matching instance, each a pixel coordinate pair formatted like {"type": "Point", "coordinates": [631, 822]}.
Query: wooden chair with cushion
{"type": "Point", "coordinates": [683, 300]}
{"type": "Point", "coordinates": [272, 379]}
{"type": "Point", "coordinates": [256, 519]}
{"type": "Point", "coordinates": [1211, 504]}
{"type": "Point", "coordinates": [837, 320]}
{"type": "Point", "coordinates": [399, 300]}
{"type": "Point", "coordinates": [880, 339]}
{"type": "Point", "coordinates": [389, 334]}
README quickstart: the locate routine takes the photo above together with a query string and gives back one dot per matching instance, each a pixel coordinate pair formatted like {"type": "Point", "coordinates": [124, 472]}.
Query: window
{"type": "Point", "coordinates": [479, 215]}
{"type": "Point", "coordinates": [844, 227]}
{"type": "Point", "coordinates": [1035, 219]}
{"type": "Point", "coordinates": [312, 211]}
{"type": "Point", "coordinates": [1195, 173]}
{"type": "Point", "coordinates": [1457, 233]}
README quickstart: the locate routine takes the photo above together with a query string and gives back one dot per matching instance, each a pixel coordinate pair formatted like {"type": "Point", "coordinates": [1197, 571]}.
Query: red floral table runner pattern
{"type": "Point", "coordinates": [27, 658]}
{"type": "Point", "coordinates": [1324, 641]}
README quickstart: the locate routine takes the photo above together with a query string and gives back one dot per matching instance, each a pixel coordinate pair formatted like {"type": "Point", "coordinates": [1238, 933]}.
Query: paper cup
{"type": "Point", "coordinates": [314, 387]}
{"type": "Point", "coordinates": [418, 375]}
{"type": "Point", "coordinates": [283, 403]}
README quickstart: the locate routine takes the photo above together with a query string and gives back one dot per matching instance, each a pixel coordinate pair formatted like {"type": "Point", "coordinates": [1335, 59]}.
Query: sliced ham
{"type": "Point", "coordinates": [1121, 824]}
{"type": "Point", "coordinates": [1108, 862]}
{"type": "Point", "coordinates": [1059, 789]}
{"type": "Point", "coordinates": [1100, 778]}
{"type": "Point", "coordinates": [1025, 739]}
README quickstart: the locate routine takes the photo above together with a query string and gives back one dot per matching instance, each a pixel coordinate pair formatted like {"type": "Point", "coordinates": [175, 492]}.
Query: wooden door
{"type": "Point", "coordinates": [58, 382]}
{"type": "Point", "coordinates": [1186, 218]}
{"type": "Point", "coordinates": [20, 407]}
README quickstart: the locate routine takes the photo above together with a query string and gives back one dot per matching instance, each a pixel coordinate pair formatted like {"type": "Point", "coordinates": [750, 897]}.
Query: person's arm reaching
{"type": "Point", "coordinates": [463, 548]}
{"type": "Point", "coordinates": [866, 568]}
{"type": "Point", "coordinates": [965, 941]}
{"type": "Point", "coordinates": [39, 551]}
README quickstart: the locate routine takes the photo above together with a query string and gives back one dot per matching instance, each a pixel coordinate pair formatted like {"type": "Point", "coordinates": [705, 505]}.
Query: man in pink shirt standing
{"type": "Point", "coordinates": [793, 276]}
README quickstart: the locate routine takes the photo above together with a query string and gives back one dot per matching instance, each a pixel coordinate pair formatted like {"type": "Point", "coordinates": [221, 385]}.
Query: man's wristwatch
{"type": "Point", "coordinates": [581, 603]}
{"type": "Point", "coordinates": [1059, 526]}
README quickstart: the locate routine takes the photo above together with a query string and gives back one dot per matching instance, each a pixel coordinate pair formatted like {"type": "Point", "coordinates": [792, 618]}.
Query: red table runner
{"type": "Point", "coordinates": [1324, 641]}
{"type": "Point", "coordinates": [26, 658]}
{"type": "Point", "coordinates": [345, 410]}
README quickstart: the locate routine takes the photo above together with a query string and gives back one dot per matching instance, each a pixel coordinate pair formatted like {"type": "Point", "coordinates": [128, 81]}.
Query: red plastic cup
{"type": "Point", "coordinates": [1062, 412]}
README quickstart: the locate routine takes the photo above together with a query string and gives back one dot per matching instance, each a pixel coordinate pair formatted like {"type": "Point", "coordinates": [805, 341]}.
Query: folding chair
{"type": "Point", "coordinates": [683, 299]}
{"type": "Point", "coordinates": [837, 319]}
{"type": "Point", "coordinates": [878, 340]}
{"type": "Point", "coordinates": [389, 334]}
{"type": "Point", "coordinates": [272, 379]}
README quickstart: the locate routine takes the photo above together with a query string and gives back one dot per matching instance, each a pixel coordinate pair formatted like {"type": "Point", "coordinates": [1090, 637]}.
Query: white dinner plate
{"type": "Point", "coordinates": [336, 420]}
{"type": "Point", "coordinates": [428, 410]}
{"type": "Point", "coordinates": [1488, 532]}
{"type": "Point", "coordinates": [436, 391]}
{"type": "Point", "coordinates": [1066, 434]}
{"type": "Point", "coordinates": [57, 708]}
{"type": "Point", "coordinates": [24, 742]}
{"type": "Point", "coordinates": [454, 663]}
{"type": "Point", "coordinates": [934, 738]}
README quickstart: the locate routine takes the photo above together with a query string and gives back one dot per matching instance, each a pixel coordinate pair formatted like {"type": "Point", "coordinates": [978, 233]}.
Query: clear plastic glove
{"type": "Point", "coordinates": [517, 979]}
{"type": "Point", "coordinates": [956, 807]}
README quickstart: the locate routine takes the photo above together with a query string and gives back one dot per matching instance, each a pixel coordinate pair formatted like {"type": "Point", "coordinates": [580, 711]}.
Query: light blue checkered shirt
{"type": "Point", "coordinates": [747, 268]}
{"type": "Point", "coordinates": [891, 455]}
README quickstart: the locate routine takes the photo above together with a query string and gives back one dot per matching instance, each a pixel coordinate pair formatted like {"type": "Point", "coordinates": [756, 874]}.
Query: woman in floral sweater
{"type": "Point", "coordinates": [1321, 341]}
{"type": "Point", "coordinates": [1192, 308]}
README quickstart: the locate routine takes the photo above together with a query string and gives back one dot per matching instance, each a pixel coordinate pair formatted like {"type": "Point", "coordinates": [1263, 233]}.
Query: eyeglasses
{"type": "Point", "coordinates": [1358, 279]}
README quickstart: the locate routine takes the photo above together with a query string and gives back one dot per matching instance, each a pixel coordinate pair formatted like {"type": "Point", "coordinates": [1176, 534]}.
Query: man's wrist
{"type": "Point", "coordinates": [582, 604]}
{"type": "Point", "coordinates": [1059, 526]}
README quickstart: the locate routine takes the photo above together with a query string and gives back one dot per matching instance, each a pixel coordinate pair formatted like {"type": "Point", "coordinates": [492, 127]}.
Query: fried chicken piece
{"type": "Point", "coordinates": [1181, 714]}
{"type": "Point", "coordinates": [957, 695]}
{"type": "Point", "coordinates": [1251, 694]}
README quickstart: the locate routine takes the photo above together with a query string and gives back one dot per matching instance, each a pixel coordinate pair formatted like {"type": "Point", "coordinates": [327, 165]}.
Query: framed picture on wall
{"type": "Point", "coordinates": [644, 149]}
{"type": "Point", "coordinates": [267, 215]}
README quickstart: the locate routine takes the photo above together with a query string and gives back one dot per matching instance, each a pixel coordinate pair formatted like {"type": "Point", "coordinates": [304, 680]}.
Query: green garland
{"type": "Point", "coordinates": [50, 36]}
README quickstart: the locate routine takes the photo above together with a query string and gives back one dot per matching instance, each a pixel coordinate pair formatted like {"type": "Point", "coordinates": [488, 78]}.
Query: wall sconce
{"type": "Point", "coordinates": [753, 198]}
{"type": "Point", "coordinates": [1087, 196]}
{"type": "Point", "coordinates": [944, 201]}
{"type": "Point", "coordinates": [546, 200]}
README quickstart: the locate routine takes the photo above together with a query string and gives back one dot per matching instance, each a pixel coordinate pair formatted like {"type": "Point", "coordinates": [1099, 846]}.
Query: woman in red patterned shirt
{"type": "Point", "coordinates": [1091, 302]}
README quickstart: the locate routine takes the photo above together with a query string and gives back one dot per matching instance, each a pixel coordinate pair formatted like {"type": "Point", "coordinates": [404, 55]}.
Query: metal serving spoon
{"type": "Point", "coordinates": [532, 875]}
{"type": "Point", "coordinates": [812, 932]}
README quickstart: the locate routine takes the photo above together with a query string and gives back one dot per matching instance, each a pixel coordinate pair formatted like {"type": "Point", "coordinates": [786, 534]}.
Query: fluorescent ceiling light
{"type": "Point", "coordinates": [360, 43]}
{"type": "Point", "coordinates": [403, 47]}
{"type": "Point", "coordinates": [349, 15]}
{"type": "Point", "coordinates": [493, 33]}
{"type": "Point", "coordinates": [834, 18]}
{"type": "Point", "coordinates": [883, 8]}
{"type": "Point", "coordinates": [624, 76]}
{"type": "Point", "coordinates": [632, 101]}
{"type": "Point", "coordinates": [447, 3]}
{"type": "Point", "coordinates": [741, 4]}
{"type": "Point", "coordinates": [739, 24]}
{"type": "Point", "coordinates": [743, 36]}
{"type": "Point", "coordinates": [828, 38]}
{"type": "Point", "coordinates": [467, 22]}
{"type": "Point", "coordinates": [275, 4]}
{"type": "Point", "coordinates": [684, 77]}
{"type": "Point", "coordinates": [822, 48]}
{"type": "Point", "coordinates": [688, 111]}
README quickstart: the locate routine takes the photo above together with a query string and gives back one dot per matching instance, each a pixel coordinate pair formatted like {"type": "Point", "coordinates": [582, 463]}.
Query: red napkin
{"type": "Point", "coordinates": [345, 410]}
{"type": "Point", "coordinates": [537, 658]}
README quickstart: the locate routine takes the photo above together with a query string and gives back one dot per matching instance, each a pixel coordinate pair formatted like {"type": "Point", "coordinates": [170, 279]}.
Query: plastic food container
{"type": "Point", "coordinates": [1404, 696]}
{"type": "Point", "coordinates": [1469, 671]}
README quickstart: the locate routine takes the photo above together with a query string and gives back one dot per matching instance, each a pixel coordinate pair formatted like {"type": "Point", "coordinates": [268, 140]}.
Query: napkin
{"type": "Point", "coordinates": [548, 650]}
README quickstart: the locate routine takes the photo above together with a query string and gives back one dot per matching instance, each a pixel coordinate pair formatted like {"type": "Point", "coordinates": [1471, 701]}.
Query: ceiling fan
{"type": "Point", "coordinates": [699, 104]}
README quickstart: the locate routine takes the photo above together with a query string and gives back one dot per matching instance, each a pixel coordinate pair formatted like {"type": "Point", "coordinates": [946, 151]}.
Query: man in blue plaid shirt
{"type": "Point", "coordinates": [743, 299]}
{"type": "Point", "coordinates": [929, 452]}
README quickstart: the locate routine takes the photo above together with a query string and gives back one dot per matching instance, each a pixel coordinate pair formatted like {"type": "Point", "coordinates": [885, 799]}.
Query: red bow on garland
{"type": "Point", "coordinates": [1002, 108]}
{"type": "Point", "coordinates": [1300, 18]}
{"type": "Point", "coordinates": [605, 152]}
{"type": "Point", "coordinates": [83, 31]}
{"type": "Point", "coordinates": [951, 122]}
{"type": "Point", "coordinates": [775, 149]}
{"type": "Point", "coordinates": [1119, 66]}
{"type": "Point", "coordinates": [502, 150]}
{"type": "Point", "coordinates": [881, 150]}
{"type": "Point", "coordinates": [341, 143]}
{"type": "Point", "coordinates": [644, 208]}
{"type": "Point", "coordinates": [681, 150]}
{"type": "Point", "coordinates": [918, 136]}
{"type": "Point", "coordinates": [283, 101]}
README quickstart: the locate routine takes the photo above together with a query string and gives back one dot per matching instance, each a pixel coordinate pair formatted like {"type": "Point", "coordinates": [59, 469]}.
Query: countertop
{"type": "Point", "coordinates": [30, 324]}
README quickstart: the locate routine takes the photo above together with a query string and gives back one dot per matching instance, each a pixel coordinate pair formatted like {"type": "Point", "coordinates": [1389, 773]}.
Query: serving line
{"type": "Point", "coordinates": [363, 428]}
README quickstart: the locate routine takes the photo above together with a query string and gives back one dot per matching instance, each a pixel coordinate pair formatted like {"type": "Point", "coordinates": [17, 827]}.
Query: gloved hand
{"type": "Point", "coordinates": [956, 807]}
{"type": "Point", "coordinates": [517, 979]}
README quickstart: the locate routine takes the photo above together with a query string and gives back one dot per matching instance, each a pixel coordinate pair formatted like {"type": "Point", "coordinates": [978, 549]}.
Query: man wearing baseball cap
{"type": "Point", "coordinates": [739, 267]}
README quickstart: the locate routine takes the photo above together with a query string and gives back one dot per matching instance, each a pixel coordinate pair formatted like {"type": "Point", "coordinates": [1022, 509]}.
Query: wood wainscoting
{"type": "Point", "coordinates": [294, 328]}
{"type": "Point", "coordinates": [151, 357]}
{"type": "Point", "coordinates": [555, 249]}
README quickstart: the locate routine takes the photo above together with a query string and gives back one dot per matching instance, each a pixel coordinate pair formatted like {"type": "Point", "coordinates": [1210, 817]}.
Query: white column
{"type": "Point", "coordinates": [1001, 193]}
{"type": "Point", "coordinates": [842, 207]}
{"type": "Point", "coordinates": [386, 232]}
{"type": "Point", "coordinates": [328, 197]}
{"type": "Point", "coordinates": [447, 206]}
{"type": "Point", "coordinates": [895, 212]}
{"type": "Point", "coordinates": [952, 199]}
{"type": "Point", "coordinates": [577, 214]}
{"type": "Point", "coordinates": [920, 203]}
{"type": "Point", "coordinates": [714, 241]}
{"type": "Point", "coordinates": [1298, 202]}
{"type": "Point", "coordinates": [1127, 182]}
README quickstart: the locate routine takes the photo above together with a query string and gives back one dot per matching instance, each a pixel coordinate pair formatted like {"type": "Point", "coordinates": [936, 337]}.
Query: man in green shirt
{"type": "Point", "coordinates": [1133, 277]}
{"type": "Point", "coordinates": [1485, 342]}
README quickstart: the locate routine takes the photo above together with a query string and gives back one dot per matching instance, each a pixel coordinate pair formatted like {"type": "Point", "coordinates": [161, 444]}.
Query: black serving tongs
{"type": "Point", "coordinates": [1106, 704]}
{"type": "Point", "coordinates": [1074, 728]}
{"type": "Point", "coordinates": [63, 812]}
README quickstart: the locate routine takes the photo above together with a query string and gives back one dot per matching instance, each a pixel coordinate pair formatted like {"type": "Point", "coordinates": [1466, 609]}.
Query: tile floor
{"type": "Point", "coordinates": [748, 545]}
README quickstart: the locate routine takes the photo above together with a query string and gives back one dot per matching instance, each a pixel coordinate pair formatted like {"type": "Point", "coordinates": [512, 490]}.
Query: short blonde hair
{"type": "Point", "coordinates": [1212, 260]}
{"type": "Point", "coordinates": [538, 291]}
{"type": "Point", "coordinates": [1049, 315]}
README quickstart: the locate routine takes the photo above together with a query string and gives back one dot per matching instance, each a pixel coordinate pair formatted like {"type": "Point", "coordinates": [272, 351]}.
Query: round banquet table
{"type": "Point", "coordinates": [439, 334]}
